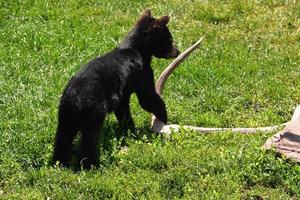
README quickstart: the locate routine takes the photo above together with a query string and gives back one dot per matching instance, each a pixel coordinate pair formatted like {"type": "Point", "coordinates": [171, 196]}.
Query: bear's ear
{"type": "Point", "coordinates": [163, 21]}
{"type": "Point", "coordinates": [147, 13]}
{"type": "Point", "coordinates": [145, 17]}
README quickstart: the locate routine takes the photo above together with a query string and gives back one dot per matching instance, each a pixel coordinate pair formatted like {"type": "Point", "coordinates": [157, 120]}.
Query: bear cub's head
{"type": "Point", "coordinates": [153, 37]}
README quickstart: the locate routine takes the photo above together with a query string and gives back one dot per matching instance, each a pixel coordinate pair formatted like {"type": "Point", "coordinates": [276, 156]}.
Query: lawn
{"type": "Point", "coordinates": [246, 74]}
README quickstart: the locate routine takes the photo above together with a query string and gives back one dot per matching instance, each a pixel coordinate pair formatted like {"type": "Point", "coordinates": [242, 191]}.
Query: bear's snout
{"type": "Point", "coordinates": [174, 53]}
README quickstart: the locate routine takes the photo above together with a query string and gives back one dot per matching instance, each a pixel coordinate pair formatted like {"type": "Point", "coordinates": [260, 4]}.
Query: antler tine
{"type": "Point", "coordinates": [169, 70]}
{"type": "Point", "coordinates": [156, 124]}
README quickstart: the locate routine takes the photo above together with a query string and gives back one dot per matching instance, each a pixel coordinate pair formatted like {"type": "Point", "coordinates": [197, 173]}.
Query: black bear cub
{"type": "Point", "coordinates": [105, 84]}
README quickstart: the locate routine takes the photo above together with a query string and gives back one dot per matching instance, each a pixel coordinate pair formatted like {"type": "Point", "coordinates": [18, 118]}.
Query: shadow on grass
{"type": "Point", "coordinates": [109, 145]}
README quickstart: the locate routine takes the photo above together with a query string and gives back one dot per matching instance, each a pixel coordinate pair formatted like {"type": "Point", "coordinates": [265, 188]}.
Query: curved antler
{"type": "Point", "coordinates": [156, 124]}
{"type": "Point", "coordinates": [160, 127]}
{"type": "Point", "coordinates": [169, 70]}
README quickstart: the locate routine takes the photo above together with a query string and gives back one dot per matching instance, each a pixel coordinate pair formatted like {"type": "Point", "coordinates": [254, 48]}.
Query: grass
{"type": "Point", "coordinates": [246, 73]}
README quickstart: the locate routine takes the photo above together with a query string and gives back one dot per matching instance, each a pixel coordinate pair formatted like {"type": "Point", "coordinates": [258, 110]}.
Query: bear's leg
{"type": "Point", "coordinates": [153, 103]}
{"type": "Point", "coordinates": [64, 137]}
{"type": "Point", "coordinates": [124, 118]}
{"type": "Point", "coordinates": [89, 154]}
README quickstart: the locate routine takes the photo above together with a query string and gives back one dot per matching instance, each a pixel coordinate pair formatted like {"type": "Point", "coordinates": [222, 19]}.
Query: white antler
{"type": "Point", "coordinates": [169, 70]}
{"type": "Point", "coordinates": [160, 127]}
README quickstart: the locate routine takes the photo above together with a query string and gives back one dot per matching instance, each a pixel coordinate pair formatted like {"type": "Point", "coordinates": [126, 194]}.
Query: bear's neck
{"type": "Point", "coordinates": [137, 42]}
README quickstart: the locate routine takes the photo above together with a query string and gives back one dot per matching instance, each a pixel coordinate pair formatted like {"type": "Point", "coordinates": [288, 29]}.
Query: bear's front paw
{"type": "Point", "coordinates": [156, 125]}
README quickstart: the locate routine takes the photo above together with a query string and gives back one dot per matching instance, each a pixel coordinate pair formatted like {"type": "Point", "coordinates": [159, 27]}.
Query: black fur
{"type": "Point", "coordinates": [105, 84]}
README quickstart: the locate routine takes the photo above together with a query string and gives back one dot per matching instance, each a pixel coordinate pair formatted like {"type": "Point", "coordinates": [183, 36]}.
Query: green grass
{"type": "Point", "coordinates": [246, 73]}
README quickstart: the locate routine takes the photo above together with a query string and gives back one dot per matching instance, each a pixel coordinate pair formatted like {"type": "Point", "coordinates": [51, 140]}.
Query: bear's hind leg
{"type": "Point", "coordinates": [64, 138]}
{"type": "Point", "coordinates": [89, 154]}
